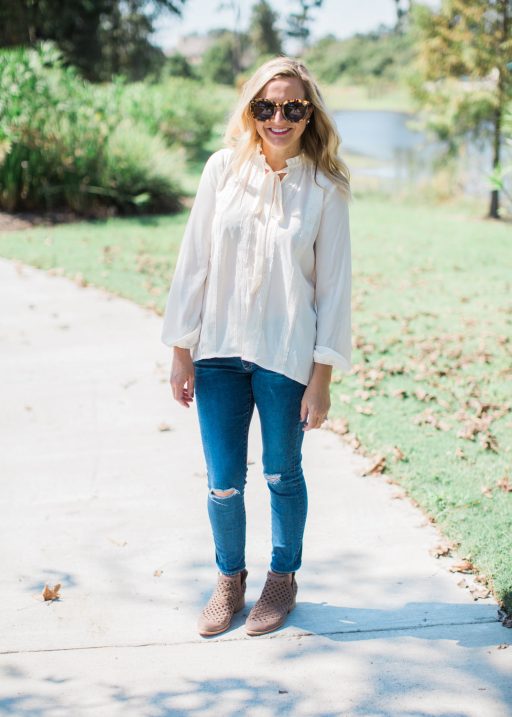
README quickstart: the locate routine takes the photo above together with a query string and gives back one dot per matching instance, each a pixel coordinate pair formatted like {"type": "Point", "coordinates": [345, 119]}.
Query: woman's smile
{"type": "Point", "coordinates": [277, 132]}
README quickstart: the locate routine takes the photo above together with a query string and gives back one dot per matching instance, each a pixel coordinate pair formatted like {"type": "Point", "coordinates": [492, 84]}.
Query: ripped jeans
{"type": "Point", "coordinates": [227, 389]}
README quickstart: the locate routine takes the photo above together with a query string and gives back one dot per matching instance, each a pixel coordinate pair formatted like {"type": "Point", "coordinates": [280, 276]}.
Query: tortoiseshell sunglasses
{"type": "Point", "coordinates": [293, 110]}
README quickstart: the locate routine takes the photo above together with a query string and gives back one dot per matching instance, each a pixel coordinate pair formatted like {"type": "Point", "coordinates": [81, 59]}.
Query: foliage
{"type": "Point", "coordinates": [299, 23]}
{"type": "Point", "coordinates": [220, 61]}
{"type": "Point", "coordinates": [381, 55]}
{"type": "Point", "coordinates": [177, 65]}
{"type": "Point", "coordinates": [64, 141]}
{"type": "Point", "coordinates": [265, 38]}
{"type": "Point", "coordinates": [182, 111]}
{"type": "Point", "coordinates": [464, 80]}
{"type": "Point", "coordinates": [100, 37]}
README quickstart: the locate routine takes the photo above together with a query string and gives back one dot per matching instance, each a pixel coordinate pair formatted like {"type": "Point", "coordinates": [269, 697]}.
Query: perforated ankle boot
{"type": "Point", "coordinates": [276, 601]}
{"type": "Point", "coordinates": [228, 598]}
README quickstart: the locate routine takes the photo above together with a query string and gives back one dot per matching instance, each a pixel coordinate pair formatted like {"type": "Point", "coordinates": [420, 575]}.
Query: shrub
{"type": "Point", "coordinates": [67, 142]}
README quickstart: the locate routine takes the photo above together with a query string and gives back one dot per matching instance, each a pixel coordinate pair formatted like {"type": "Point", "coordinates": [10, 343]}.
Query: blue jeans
{"type": "Point", "coordinates": [226, 391]}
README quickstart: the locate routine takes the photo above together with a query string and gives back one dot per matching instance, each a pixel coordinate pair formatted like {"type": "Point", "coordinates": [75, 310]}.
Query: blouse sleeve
{"type": "Point", "coordinates": [333, 269]}
{"type": "Point", "coordinates": [182, 319]}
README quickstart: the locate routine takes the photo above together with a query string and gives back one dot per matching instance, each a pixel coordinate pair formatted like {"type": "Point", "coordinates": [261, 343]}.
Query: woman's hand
{"type": "Point", "coordinates": [316, 400]}
{"type": "Point", "coordinates": [182, 377]}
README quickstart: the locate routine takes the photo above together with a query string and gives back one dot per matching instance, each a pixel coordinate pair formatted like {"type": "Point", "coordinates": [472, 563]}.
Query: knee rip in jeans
{"type": "Point", "coordinates": [215, 493]}
{"type": "Point", "coordinates": [272, 477]}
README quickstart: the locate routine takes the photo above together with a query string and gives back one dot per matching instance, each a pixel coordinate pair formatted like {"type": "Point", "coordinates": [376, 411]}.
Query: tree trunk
{"type": "Point", "coordinates": [494, 208]}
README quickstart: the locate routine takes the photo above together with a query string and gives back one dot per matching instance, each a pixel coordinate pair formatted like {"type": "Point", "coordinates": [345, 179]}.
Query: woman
{"type": "Point", "coordinates": [258, 314]}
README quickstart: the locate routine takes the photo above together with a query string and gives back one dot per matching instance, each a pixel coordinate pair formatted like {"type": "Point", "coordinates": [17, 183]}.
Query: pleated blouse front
{"type": "Point", "coordinates": [264, 268]}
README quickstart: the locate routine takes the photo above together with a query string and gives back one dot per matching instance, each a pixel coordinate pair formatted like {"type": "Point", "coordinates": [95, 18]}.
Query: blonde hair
{"type": "Point", "coordinates": [320, 141]}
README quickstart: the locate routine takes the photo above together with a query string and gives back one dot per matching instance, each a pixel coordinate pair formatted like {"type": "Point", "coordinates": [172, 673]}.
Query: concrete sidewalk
{"type": "Point", "coordinates": [97, 497]}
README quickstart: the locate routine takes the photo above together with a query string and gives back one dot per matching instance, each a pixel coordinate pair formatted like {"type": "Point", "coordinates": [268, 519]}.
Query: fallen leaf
{"type": "Point", "coordinates": [489, 442]}
{"type": "Point", "coordinates": [399, 393]}
{"type": "Point", "coordinates": [504, 484]}
{"type": "Point", "coordinates": [487, 491]}
{"type": "Point", "coordinates": [337, 425]}
{"type": "Point", "coordinates": [164, 427]}
{"type": "Point", "coordinates": [157, 573]}
{"type": "Point", "coordinates": [378, 466]}
{"type": "Point", "coordinates": [442, 549]}
{"type": "Point", "coordinates": [365, 410]}
{"type": "Point", "coordinates": [398, 454]}
{"type": "Point", "coordinates": [460, 453]}
{"type": "Point", "coordinates": [462, 583]}
{"type": "Point", "coordinates": [51, 593]}
{"type": "Point", "coordinates": [464, 566]}
{"type": "Point", "coordinates": [479, 593]}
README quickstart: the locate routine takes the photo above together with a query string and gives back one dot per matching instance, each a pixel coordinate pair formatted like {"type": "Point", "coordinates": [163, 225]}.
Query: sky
{"type": "Point", "coordinates": [339, 17]}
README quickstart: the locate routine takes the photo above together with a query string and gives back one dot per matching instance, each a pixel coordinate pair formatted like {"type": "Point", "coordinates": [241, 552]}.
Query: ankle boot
{"type": "Point", "coordinates": [276, 601]}
{"type": "Point", "coordinates": [228, 598]}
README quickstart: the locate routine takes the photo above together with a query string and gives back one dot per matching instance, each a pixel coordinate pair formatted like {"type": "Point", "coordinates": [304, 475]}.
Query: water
{"type": "Point", "coordinates": [389, 149]}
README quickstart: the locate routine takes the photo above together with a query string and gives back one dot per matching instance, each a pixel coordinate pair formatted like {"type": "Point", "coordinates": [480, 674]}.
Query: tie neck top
{"type": "Point", "coordinates": [264, 268]}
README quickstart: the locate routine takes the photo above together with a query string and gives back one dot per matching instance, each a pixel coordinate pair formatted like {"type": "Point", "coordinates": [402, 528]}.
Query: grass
{"type": "Point", "coordinates": [429, 393]}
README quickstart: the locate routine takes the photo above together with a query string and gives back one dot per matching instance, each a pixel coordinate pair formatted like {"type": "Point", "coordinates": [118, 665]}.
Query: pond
{"type": "Point", "coordinates": [390, 148]}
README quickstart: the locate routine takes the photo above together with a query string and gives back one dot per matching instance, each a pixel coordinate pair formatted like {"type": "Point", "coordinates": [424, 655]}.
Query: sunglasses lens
{"type": "Point", "coordinates": [262, 110]}
{"type": "Point", "coordinates": [294, 111]}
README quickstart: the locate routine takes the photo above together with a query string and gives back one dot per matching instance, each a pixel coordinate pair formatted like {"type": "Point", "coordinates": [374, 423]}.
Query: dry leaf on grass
{"type": "Point", "coordinates": [399, 393]}
{"type": "Point", "coordinates": [80, 279]}
{"type": "Point", "coordinates": [365, 410]}
{"type": "Point", "coordinates": [464, 566]}
{"type": "Point", "coordinates": [378, 466]}
{"type": "Point", "coordinates": [504, 484]}
{"type": "Point", "coordinates": [487, 491]}
{"type": "Point", "coordinates": [398, 455]}
{"type": "Point", "coordinates": [489, 442]}
{"type": "Point", "coordinates": [51, 593]}
{"type": "Point", "coordinates": [442, 549]}
{"type": "Point", "coordinates": [336, 425]}
{"type": "Point", "coordinates": [460, 453]}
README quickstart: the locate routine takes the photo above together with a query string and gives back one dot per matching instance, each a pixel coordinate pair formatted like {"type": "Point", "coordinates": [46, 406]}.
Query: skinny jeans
{"type": "Point", "coordinates": [227, 389]}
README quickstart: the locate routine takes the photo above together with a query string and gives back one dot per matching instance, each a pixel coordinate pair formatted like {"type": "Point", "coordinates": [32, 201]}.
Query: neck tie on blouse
{"type": "Point", "coordinates": [270, 204]}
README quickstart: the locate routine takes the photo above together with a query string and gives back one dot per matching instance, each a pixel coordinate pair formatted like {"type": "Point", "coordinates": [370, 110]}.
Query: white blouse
{"type": "Point", "coordinates": [264, 268]}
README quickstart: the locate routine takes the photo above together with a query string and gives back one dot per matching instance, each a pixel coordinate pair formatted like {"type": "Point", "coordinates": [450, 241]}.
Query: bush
{"type": "Point", "coordinates": [183, 111]}
{"type": "Point", "coordinates": [67, 142]}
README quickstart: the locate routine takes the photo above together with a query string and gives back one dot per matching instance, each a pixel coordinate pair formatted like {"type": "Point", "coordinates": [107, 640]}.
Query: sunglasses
{"type": "Point", "coordinates": [292, 110]}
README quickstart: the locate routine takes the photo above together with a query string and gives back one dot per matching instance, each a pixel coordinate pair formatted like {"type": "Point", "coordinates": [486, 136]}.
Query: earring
{"type": "Point", "coordinates": [308, 121]}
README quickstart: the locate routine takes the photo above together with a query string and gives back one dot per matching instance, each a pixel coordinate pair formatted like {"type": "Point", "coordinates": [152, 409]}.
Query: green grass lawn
{"type": "Point", "coordinates": [430, 391]}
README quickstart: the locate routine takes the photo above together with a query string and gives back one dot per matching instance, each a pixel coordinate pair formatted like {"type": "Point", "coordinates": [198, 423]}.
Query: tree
{"type": "Point", "coordinates": [466, 82]}
{"type": "Point", "coordinates": [218, 63]}
{"type": "Point", "coordinates": [402, 11]}
{"type": "Point", "coordinates": [264, 36]}
{"type": "Point", "coordinates": [299, 22]}
{"type": "Point", "coordinates": [100, 37]}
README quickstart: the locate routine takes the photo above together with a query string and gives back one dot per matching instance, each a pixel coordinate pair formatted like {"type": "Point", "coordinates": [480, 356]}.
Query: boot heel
{"type": "Point", "coordinates": [240, 604]}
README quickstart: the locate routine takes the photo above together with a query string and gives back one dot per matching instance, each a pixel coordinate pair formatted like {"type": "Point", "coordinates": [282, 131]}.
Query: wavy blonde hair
{"type": "Point", "coordinates": [320, 141]}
